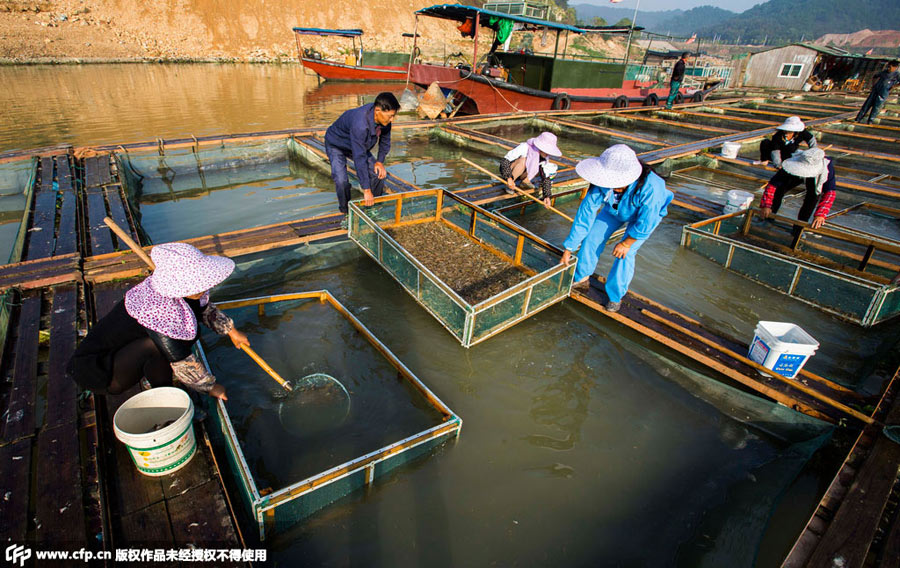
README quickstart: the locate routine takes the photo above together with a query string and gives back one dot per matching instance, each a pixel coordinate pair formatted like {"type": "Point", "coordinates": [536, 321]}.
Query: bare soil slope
{"type": "Point", "coordinates": [248, 30]}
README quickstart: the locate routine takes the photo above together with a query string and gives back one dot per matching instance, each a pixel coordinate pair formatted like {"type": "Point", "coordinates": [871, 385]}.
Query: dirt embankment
{"type": "Point", "coordinates": [206, 30]}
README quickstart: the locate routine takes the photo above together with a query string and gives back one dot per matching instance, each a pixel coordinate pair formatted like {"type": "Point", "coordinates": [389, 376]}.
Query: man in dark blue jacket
{"type": "Point", "coordinates": [677, 78]}
{"type": "Point", "coordinates": [883, 83]}
{"type": "Point", "coordinates": [352, 136]}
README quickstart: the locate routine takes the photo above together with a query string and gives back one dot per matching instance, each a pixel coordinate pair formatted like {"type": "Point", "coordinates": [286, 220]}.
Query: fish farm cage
{"type": "Point", "coordinates": [277, 509]}
{"type": "Point", "coordinates": [547, 281]}
{"type": "Point", "coordinates": [838, 271]}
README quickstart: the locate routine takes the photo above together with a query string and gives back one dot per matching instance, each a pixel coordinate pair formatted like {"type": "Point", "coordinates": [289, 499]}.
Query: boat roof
{"type": "Point", "coordinates": [461, 13]}
{"type": "Point", "coordinates": [611, 29]}
{"type": "Point", "coordinates": [327, 32]}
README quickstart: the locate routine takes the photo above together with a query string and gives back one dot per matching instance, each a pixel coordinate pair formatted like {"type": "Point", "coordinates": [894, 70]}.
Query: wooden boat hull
{"type": "Point", "coordinates": [495, 96]}
{"type": "Point", "coordinates": [334, 71]}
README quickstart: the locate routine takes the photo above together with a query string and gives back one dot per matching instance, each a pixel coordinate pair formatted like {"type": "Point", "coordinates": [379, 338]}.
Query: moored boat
{"type": "Point", "coordinates": [358, 64]}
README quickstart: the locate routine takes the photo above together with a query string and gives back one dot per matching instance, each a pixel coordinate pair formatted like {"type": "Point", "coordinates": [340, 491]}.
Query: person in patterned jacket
{"type": "Point", "coordinates": [150, 333]}
{"type": "Point", "coordinates": [817, 172]}
{"type": "Point", "coordinates": [529, 161]}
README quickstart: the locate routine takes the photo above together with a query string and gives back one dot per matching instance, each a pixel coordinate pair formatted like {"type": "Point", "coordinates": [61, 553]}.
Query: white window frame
{"type": "Point", "coordinates": [790, 66]}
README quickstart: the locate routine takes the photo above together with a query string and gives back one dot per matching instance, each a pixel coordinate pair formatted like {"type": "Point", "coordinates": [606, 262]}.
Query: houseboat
{"type": "Point", "coordinates": [508, 81]}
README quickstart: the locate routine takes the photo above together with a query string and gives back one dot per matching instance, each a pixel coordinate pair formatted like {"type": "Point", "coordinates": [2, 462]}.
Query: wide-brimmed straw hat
{"type": "Point", "coordinates": [617, 166]}
{"type": "Point", "coordinates": [792, 124]}
{"type": "Point", "coordinates": [182, 270]}
{"type": "Point", "coordinates": [805, 164]}
{"type": "Point", "coordinates": [546, 143]}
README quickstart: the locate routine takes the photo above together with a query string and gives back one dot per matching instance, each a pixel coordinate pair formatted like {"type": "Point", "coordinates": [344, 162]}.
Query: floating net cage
{"type": "Point", "coordinates": [548, 281]}
{"type": "Point", "coordinates": [275, 508]}
{"type": "Point", "coordinates": [837, 271]}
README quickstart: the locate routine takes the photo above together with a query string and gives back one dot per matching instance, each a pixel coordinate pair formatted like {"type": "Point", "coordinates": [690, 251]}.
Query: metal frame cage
{"type": "Point", "coordinates": [548, 281]}
{"type": "Point", "coordinates": [280, 509]}
{"type": "Point", "coordinates": [843, 273]}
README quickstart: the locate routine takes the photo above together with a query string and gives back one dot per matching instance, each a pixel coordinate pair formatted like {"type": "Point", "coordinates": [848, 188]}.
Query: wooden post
{"type": "Point", "coordinates": [745, 228]}
{"type": "Point", "coordinates": [520, 244]}
{"type": "Point", "coordinates": [867, 257]}
{"type": "Point", "coordinates": [439, 206]}
{"type": "Point", "coordinates": [415, 39]}
{"type": "Point", "coordinates": [475, 51]}
{"type": "Point", "coordinates": [796, 242]}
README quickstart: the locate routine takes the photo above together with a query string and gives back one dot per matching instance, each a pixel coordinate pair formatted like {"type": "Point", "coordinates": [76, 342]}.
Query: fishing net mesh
{"type": "Point", "coordinates": [469, 324]}
{"type": "Point", "coordinates": [829, 289]}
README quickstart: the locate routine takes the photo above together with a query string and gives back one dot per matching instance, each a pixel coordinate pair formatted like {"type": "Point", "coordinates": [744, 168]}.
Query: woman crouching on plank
{"type": "Point", "coordinates": [528, 161]}
{"type": "Point", "coordinates": [151, 332]}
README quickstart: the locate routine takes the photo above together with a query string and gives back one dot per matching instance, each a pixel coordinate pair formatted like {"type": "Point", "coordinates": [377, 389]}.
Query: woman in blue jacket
{"type": "Point", "coordinates": [623, 191]}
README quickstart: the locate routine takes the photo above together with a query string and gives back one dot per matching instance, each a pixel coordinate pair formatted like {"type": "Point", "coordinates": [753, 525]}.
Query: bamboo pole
{"type": "Point", "coordinates": [528, 195]}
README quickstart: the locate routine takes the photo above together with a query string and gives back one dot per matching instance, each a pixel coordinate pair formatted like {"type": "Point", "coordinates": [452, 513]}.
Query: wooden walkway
{"type": "Point", "coordinates": [66, 481]}
{"type": "Point", "coordinates": [857, 522]}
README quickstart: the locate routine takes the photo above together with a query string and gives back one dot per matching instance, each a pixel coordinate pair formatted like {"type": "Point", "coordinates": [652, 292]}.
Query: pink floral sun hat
{"type": "Point", "coordinates": [158, 302]}
{"type": "Point", "coordinates": [182, 270]}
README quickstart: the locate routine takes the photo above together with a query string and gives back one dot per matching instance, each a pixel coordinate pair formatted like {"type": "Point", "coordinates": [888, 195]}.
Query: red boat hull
{"type": "Point", "coordinates": [334, 71]}
{"type": "Point", "coordinates": [492, 96]}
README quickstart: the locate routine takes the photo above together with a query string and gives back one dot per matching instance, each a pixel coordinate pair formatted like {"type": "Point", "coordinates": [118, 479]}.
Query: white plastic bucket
{"type": "Point", "coordinates": [157, 428]}
{"type": "Point", "coordinates": [782, 347]}
{"type": "Point", "coordinates": [730, 149]}
{"type": "Point", "coordinates": [737, 200]}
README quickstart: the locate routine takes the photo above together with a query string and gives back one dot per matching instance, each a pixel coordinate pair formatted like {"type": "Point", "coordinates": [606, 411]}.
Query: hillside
{"type": "Point", "coordinates": [62, 30]}
{"type": "Point", "coordinates": [650, 20]}
{"type": "Point", "coordinates": [693, 20]}
{"type": "Point", "coordinates": [780, 21]}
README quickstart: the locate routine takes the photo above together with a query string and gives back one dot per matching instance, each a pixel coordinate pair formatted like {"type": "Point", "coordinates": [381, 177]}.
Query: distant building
{"type": "Point", "coordinates": [790, 67]}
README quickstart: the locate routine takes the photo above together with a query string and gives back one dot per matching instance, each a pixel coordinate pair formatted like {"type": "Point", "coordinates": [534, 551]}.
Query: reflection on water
{"type": "Point", "coordinates": [110, 104]}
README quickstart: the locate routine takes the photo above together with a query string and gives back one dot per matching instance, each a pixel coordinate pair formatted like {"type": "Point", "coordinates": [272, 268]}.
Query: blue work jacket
{"type": "Point", "coordinates": [641, 208]}
{"type": "Point", "coordinates": [356, 132]}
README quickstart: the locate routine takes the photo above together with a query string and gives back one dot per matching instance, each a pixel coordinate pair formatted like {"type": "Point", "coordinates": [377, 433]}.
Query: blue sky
{"type": "Point", "coordinates": [656, 5]}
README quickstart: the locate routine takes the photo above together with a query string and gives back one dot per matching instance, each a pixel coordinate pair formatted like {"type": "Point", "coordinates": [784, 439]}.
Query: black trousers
{"type": "Point", "coordinates": [785, 182]}
{"type": "Point", "coordinates": [140, 358]}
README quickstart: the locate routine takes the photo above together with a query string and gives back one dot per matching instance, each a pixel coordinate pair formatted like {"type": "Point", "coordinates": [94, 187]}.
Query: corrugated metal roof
{"type": "Point", "coordinates": [460, 13]}
{"type": "Point", "coordinates": [824, 49]}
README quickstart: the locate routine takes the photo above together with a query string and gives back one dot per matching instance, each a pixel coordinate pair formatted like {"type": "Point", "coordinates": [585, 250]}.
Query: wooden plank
{"type": "Point", "coordinates": [146, 528]}
{"type": "Point", "coordinates": [20, 420]}
{"type": "Point", "coordinates": [59, 510]}
{"type": "Point", "coordinates": [854, 526]}
{"type": "Point", "coordinates": [62, 392]}
{"type": "Point", "coordinates": [15, 463]}
{"type": "Point", "coordinates": [104, 174]}
{"type": "Point", "coordinates": [67, 234]}
{"type": "Point", "coordinates": [117, 211]}
{"type": "Point", "coordinates": [101, 236]}
{"type": "Point", "coordinates": [91, 172]}
{"type": "Point", "coordinates": [209, 526]}
{"type": "Point", "coordinates": [63, 173]}
{"type": "Point", "coordinates": [197, 472]}
{"type": "Point", "coordinates": [40, 234]}
{"type": "Point", "coordinates": [47, 173]}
